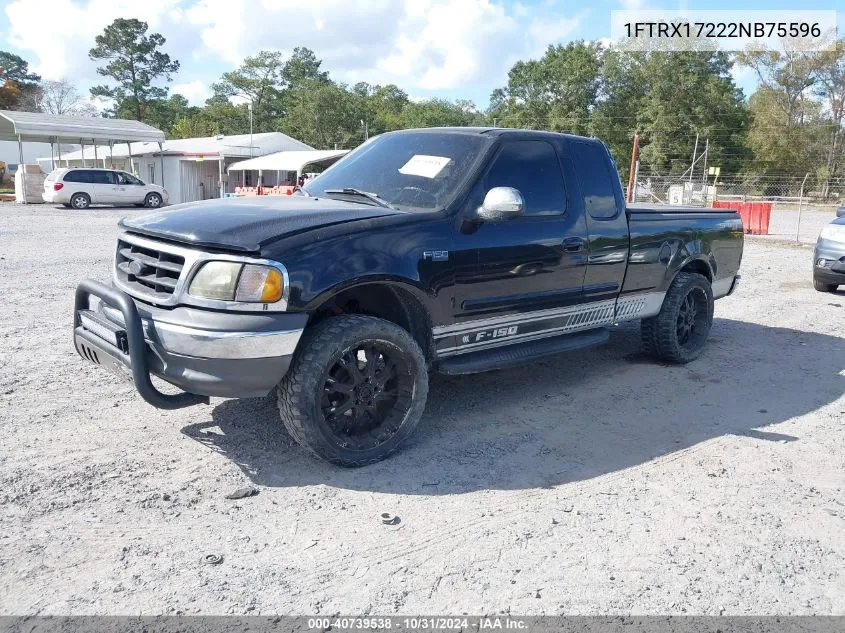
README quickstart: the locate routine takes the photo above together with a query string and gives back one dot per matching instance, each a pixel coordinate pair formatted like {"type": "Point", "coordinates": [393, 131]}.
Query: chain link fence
{"type": "Point", "coordinates": [783, 192]}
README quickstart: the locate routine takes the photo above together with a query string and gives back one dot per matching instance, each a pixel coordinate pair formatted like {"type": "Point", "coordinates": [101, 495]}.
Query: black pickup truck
{"type": "Point", "coordinates": [452, 250]}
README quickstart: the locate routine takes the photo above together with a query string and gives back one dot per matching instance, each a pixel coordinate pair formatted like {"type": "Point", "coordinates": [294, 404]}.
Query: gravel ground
{"type": "Point", "coordinates": [588, 483]}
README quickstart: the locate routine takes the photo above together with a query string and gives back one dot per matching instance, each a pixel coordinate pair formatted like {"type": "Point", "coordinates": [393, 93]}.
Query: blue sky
{"type": "Point", "coordinates": [430, 48]}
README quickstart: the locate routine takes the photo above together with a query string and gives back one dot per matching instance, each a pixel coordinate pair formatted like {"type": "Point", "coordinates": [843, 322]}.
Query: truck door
{"type": "Point", "coordinates": [604, 212]}
{"type": "Point", "coordinates": [529, 263]}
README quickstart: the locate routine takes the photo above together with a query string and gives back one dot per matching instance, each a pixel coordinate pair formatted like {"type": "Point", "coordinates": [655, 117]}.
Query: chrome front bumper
{"type": "Point", "coordinates": [204, 353]}
{"type": "Point", "coordinates": [192, 341]}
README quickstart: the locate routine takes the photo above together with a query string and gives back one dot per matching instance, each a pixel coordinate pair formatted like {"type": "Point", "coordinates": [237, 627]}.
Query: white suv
{"type": "Point", "coordinates": [80, 187]}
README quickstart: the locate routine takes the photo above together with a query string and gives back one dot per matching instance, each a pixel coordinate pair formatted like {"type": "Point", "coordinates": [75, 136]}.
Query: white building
{"type": "Point", "coordinates": [194, 168]}
{"type": "Point", "coordinates": [32, 152]}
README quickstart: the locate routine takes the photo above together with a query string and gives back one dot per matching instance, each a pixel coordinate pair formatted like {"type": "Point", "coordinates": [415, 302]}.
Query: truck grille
{"type": "Point", "coordinates": [149, 271]}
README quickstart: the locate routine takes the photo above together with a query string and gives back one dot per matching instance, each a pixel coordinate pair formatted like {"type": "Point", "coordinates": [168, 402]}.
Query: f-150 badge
{"type": "Point", "coordinates": [488, 335]}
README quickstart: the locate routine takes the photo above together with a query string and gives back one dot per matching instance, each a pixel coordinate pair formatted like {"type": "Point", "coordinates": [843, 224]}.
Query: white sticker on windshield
{"type": "Point", "coordinates": [425, 166]}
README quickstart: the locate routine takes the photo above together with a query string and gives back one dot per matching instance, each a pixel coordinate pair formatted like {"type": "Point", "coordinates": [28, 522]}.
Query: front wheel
{"type": "Point", "coordinates": [823, 287]}
{"type": "Point", "coordinates": [680, 330]}
{"type": "Point", "coordinates": [153, 201]}
{"type": "Point", "coordinates": [355, 390]}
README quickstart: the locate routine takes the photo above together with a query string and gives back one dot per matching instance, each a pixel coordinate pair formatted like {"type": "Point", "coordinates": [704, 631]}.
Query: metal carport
{"type": "Point", "coordinates": [290, 160]}
{"type": "Point", "coordinates": [56, 129]}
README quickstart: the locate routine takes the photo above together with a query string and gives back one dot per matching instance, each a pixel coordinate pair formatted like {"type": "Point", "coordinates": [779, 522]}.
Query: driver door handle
{"type": "Point", "coordinates": [574, 244]}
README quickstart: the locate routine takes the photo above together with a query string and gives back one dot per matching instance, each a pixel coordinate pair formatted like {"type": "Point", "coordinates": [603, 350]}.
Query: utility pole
{"type": "Point", "coordinates": [694, 152]}
{"type": "Point", "coordinates": [635, 154]}
{"type": "Point", "coordinates": [704, 172]}
{"type": "Point", "coordinates": [249, 107]}
{"type": "Point", "coordinates": [366, 127]}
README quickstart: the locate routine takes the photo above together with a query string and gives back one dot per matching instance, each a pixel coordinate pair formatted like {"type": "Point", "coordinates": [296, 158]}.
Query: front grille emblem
{"type": "Point", "coordinates": [136, 267]}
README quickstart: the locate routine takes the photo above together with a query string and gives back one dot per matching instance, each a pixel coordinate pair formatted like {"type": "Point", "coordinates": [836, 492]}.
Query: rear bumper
{"type": "Point", "coordinates": [53, 197]}
{"type": "Point", "coordinates": [203, 353]}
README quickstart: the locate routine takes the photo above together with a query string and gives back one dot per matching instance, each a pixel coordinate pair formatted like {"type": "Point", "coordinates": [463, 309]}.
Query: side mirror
{"type": "Point", "coordinates": [501, 203]}
{"type": "Point", "coordinates": [840, 212]}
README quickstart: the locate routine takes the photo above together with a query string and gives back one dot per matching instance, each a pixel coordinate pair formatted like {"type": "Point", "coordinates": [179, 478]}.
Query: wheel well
{"type": "Point", "coordinates": [698, 266]}
{"type": "Point", "coordinates": [387, 302]}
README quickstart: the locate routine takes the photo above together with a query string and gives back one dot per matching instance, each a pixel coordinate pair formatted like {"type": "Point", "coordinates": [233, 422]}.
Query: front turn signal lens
{"type": "Point", "coordinates": [260, 284]}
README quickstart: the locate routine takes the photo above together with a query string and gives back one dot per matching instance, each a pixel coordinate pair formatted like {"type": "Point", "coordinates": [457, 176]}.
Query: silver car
{"type": "Point", "coordinates": [80, 187]}
{"type": "Point", "coordinates": [829, 256]}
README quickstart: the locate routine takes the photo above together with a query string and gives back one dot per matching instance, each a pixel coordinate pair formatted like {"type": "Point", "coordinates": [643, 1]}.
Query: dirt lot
{"type": "Point", "coordinates": [588, 483]}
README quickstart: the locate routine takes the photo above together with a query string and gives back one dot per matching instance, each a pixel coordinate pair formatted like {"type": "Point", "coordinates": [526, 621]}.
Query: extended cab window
{"type": "Point", "coordinates": [532, 168]}
{"type": "Point", "coordinates": [592, 164]}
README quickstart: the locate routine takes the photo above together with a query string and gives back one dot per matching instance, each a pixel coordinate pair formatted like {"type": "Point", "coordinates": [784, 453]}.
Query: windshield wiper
{"type": "Point", "coordinates": [351, 191]}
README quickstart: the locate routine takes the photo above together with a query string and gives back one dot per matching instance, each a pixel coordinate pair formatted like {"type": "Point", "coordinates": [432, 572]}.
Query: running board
{"type": "Point", "coordinates": [519, 353]}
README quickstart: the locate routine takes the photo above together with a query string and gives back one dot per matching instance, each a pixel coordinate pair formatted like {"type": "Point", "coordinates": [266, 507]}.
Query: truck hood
{"type": "Point", "coordinates": [247, 224]}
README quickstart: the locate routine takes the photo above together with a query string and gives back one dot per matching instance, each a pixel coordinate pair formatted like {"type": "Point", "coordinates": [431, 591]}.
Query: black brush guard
{"type": "Point", "coordinates": [134, 348]}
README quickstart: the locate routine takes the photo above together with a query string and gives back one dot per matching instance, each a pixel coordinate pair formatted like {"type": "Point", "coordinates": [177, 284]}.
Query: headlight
{"type": "Point", "coordinates": [833, 232]}
{"type": "Point", "coordinates": [232, 281]}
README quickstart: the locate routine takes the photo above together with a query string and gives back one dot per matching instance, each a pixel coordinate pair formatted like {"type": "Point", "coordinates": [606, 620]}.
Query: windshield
{"type": "Point", "coordinates": [415, 171]}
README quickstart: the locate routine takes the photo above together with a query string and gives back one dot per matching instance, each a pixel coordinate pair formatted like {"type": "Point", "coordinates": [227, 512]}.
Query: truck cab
{"type": "Point", "coordinates": [455, 250]}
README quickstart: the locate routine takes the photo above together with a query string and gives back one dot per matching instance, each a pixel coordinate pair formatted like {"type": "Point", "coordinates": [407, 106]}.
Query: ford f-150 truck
{"type": "Point", "coordinates": [450, 250]}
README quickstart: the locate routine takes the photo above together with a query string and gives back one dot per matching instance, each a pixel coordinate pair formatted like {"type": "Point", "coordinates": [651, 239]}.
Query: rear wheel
{"type": "Point", "coordinates": [153, 200]}
{"type": "Point", "coordinates": [678, 333]}
{"type": "Point", "coordinates": [355, 390]}
{"type": "Point", "coordinates": [823, 287]}
{"type": "Point", "coordinates": [80, 201]}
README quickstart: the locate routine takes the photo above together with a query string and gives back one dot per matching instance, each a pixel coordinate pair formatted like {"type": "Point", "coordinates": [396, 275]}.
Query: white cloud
{"type": "Point", "coordinates": [632, 4]}
{"type": "Point", "coordinates": [61, 40]}
{"type": "Point", "coordinates": [196, 91]}
{"type": "Point", "coordinates": [421, 45]}
{"type": "Point", "coordinates": [548, 32]}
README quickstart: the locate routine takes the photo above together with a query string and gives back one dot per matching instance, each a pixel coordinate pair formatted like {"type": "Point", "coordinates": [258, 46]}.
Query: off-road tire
{"type": "Point", "coordinates": [301, 389]}
{"type": "Point", "coordinates": [823, 287]}
{"type": "Point", "coordinates": [80, 201]}
{"type": "Point", "coordinates": [659, 334]}
{"type": "Point", "coordinates": [153, 201]}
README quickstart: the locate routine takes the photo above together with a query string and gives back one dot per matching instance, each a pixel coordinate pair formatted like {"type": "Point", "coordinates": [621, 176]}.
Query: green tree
{"type": "Point", "coordinates": [830, 87]}
{"type": "Point", "coordinates": [614, 119]}
{"type": "Point", "coordinates": [780, 148]}
{"type": "Point", "coordinates": [192, 126]}
{"type": "Point", "coordinates": [556, 92]}
{"type": "Point", "coordinates": [789, 126]}
{"type": "Point", "coordinates": [440, 112]}
{"type": "Point", "coordinates": [323, 114]}
{"type": "Point", "coordinates": [303, 66]}
{"type": "Point", "coordinates": [789, 73]}
{"type": "Point", "coordinates": [18, 87]}
{"type": "Point", "coordinates": [226, 117]}
{"type": "Point", "coordinates": [381, 107]}
{"type": "Point", "coordinates": [257, 81]}
{"type": "Point", "coordinates": [135, 62]}
{"type": "Point", "coordinates": [164, 113]}
{"type": "Point", "coordinates": [689, 93]}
